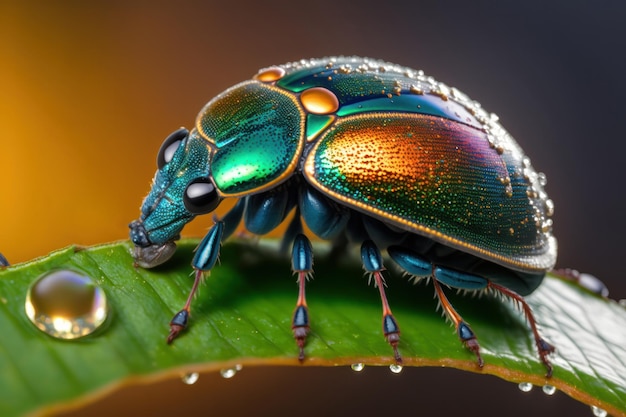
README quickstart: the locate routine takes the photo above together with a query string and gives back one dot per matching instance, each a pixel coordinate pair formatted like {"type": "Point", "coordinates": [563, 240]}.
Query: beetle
{"type": "Point", "coordinates": [3, 261]}
{"type": "Point", "coordinates": [364, 152]}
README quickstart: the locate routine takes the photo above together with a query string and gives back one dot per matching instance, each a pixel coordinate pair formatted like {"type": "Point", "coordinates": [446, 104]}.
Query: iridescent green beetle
{"type": "Point", "coordinates": [367, 152]}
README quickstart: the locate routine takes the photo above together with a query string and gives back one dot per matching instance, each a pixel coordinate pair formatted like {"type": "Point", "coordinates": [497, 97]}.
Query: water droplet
{"type": "Point", "coordinates": [542, 179]}
{"type": "Point", "coordinates": [622, 302]}
{"type": "Point", "coordinates": [598, 412]}
{"type": "Point", "coordinates": [318, 100]}
{"type": "Point", "coordinates": [416, 90]}
{"type": "Point", "coordinates": [357, 367]}
{"type": "Point", "coordinates": [548, 389]}
{"type": "Point", "coordinates": [66, 304]}
{"type": "Point", "coordinates": [395, 368]}
{"type": "Point", "coordinates": [190, 378]}
{"type": "Point", "coordinates": [593, 284]}
{"type": "Point", "coordinates": [230, 372]}
{"type": "Point", "coordinates": [549, 204]}
{"type": "Point", "coordinates": [525, 386]}
{"type": "Point", "coordinates": [271, 74]}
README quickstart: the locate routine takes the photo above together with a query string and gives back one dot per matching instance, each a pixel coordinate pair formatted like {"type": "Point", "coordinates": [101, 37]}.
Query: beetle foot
{"type": "Point", "coordinates": [392, 334]}
{"type": "Point", "coordinates": [545, 349]}
{"type": "Point", "coordinates": [178, 324]}
{"type": "Point", "coordinates": [393, 339]}
{"type": "Point", "coordinates": [474, 347]}
{"type": "Point", "coordinates": [300, 333]}
{"type": "Point", "coordinates": [469, 340]}
{"type": "Point", "coordinates": [300, 323]}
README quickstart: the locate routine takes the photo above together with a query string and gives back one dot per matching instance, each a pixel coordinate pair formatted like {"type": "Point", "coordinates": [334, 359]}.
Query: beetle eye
{"type": "Point", "coordinates": [169, 146]}
{"type": "Point", "coordinates": [201, 196]}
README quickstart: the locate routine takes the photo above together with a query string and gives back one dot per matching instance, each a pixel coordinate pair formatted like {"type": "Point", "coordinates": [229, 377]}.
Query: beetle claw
{"type": "Point", "coordinates": [177, 325]}
{"type": "Point", "coordinates": [393, 340]}
{"type": "Point", "coordinates": [545, 349]}
{"type": "Point", "coordinates": [300, 333]}
{"type": "Point", "coordinates": [473, 345]}
{"type": "Point", "coordinates": [174, 331]}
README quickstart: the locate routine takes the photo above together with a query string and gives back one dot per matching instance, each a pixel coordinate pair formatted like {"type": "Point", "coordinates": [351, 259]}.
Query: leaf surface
{"type": "Point", "coordinates": [242, 315]}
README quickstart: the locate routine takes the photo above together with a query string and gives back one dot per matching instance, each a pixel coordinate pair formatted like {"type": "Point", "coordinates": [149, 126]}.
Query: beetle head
{"type": "Point", "coordinates": [181, 189]}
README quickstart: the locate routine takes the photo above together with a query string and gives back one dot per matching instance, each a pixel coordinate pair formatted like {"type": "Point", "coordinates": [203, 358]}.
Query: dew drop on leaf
{"type": "Point", "coordinates": [230, 372]}
{"type": "Point", "coordinates": [549, 389]}
{"type": "Point", "coordinates": [190, 378]}
{"type": "Point", "coordinates": [525, 386]}
{"type": "Point", "coordinates": [66, 304]}
{"type": "Point", "coordinates": [395, 368]}
{"type": "Point", "coordinates": [357, 367]}
{"type": "Point", "coordinates": [598, 412]}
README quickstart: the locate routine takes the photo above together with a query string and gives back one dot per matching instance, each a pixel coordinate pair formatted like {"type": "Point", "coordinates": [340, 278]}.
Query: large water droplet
{"type": "Point", "coordinates": [525, 386]}
{"type": "Point", "coordinates": [395, 368]}
{"type": "Point", "coordinates": [318, 100]}
{"type": "Point", "coordinates": [66, 304]}
{"type": "Point", "coordinates": [598, 412]}
{"type": "Point", "coordinates": [230, 372]}
{"type": "Point", "coordinates": [357, 367]}
{"type": "Point", "coordinates": [549, 389]}
{"type": "Point", "coordinates": [190, 378]}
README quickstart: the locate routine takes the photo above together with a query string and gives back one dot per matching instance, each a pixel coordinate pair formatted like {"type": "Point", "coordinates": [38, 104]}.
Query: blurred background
{"type": "Point", "coordinates": [88, 91]}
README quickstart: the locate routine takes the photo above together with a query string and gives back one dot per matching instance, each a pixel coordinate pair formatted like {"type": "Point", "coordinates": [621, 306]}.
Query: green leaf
{"type": "Point", "coordinates": [242, 315]}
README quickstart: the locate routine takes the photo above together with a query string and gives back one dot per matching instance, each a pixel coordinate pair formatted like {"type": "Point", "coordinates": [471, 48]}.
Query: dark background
{"type": "Point", "coordinates": [88, 92]}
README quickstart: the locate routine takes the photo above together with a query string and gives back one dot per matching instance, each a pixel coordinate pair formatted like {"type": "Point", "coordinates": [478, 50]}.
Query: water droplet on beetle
{"type": "Point", "coordinates": [319, 100]}
{"type": "Point", "coordinates": [230, 372]}
{"type": "Point", "coordinates": [549, 207]}
{"type": "Point", "coordinates": [395, 368]}
{"type": "Point", "coordinates": [525, 386]}
{"type": "Point", "coordinates": [548, 389]}
{"type": "Point", "coordinates": [598, 412]}
{"type": "Point", "coordinates": [416, 90]}
{"type": "Point", "coordinates": [190, 378]}
{"type": "Point", "coordinates": [271, 74]}
{"type": "Point", "coordinates": [66, 304]}
{"type": "Point", "coordinates": [542, 179]}
{"type": "Point", "coordinates": [357, 367]}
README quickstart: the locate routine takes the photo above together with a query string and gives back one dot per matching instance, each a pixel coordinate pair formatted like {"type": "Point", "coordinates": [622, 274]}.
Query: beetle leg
{"type": "Point", "coordinates": [206, 255]}
{"type": "Point", "coordinates": [232, 219]}
{"type": "Point", "coordinates": [463, 330]}
{"type": "Point", "coordinates": [373, 264]}
{"type": "Point", "coordinates": [3, 261]}
{"type": "Point", "coordinates": [203, 261]}
{"type": "Point", "coordinates": [544, 348]}
{"type": "Point", "coordinates": [420, 267]}
{"type": "Point", "coordinates": [302, 264]}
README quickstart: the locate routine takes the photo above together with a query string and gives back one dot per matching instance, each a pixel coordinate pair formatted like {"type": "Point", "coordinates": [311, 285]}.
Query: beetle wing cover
{"type": "Point", "coordinates": [435, 177]}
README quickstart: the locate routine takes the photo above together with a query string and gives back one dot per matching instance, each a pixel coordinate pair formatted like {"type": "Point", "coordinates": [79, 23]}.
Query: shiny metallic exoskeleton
{"type": "Point", "coordinates": [363, 152]}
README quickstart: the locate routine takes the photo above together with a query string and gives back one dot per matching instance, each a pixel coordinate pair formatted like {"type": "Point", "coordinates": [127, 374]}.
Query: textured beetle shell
{"type": "Point", "coordinates": [400, 147]}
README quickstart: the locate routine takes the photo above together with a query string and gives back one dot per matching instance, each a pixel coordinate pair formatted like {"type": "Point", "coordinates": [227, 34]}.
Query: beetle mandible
{"type": "Point", "coordinates": [367, 152]}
